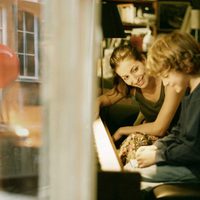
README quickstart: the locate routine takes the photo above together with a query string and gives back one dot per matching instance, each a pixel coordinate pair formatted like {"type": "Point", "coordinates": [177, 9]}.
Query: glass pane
{"type": "Point", "coordinates": [30, 43]}
{"type": "Point", "coordinates": [20, 42]}
{"type": "Point", "coordinates": [20, 122]}
{"type": "Point", "coordinates": [20, 20]}
{"type": "Point", "coordinates": [21, 59]}
{"type": "Point", "coordinates": [30, 61]}
{"type": "Point", "coordinates": [20, 105]}
{"type": "Point", "coordinates": [1, 19]}
{"type": "Point", "coordinates": [29, 22]}
{"type": "Point", "coordinates": [1, 36]}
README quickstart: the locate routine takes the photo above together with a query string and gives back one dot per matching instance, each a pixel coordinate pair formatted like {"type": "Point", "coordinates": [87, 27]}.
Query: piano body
{"type": "Point", "coordinates": [113, 182]}
{"type": "Point", "coordinates": [116, 184]}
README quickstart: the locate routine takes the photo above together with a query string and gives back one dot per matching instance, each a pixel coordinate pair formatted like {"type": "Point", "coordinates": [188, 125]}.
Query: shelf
{"type": "Point", "coordinates": [137, 13]}
{"type": "Point", "coordinates": [130, 26]}
{"type": "Point", "coordinates": [129, 1]}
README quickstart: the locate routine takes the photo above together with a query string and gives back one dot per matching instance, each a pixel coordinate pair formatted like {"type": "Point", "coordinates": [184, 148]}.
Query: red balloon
{"type": "Point", "coordinates": [9, 66]}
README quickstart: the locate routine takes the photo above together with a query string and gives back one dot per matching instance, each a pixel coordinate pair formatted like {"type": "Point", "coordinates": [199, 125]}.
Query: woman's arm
{"type": "Point", "coordinates": [110, 97]}
{"type": "Point", "coordinates": [163, 120]}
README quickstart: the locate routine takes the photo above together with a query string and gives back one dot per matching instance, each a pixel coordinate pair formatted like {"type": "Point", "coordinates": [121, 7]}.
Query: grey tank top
{"type": "Point", "coordinates": [148, 108]}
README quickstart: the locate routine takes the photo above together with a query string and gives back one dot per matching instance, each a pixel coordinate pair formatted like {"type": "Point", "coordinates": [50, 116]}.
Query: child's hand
{"type": "Point", "coordinates": [146, 155]}
{"type": "Point", "coordinates": [149, 147]}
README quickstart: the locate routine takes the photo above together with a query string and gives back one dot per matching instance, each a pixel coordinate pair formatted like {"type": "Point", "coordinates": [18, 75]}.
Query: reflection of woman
{"type": "Point", "coordinates": [158, 104]}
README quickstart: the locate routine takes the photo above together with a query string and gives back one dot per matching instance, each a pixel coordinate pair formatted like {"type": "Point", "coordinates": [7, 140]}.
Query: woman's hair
{"type": "Point", "coordinates": [120, 54]}
{"type": "Point", "coordinates": [177, 50]}
{"type": "Point", "coordinates": [123, 52]}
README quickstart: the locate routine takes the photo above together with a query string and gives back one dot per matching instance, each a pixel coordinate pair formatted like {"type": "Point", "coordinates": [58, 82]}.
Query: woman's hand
{"type": "Point", "coordinates": [118, 134]}
{"type": "Point", "coordinates": [146, 156]}
{"type": "Point", "coordinates": [125, 130]}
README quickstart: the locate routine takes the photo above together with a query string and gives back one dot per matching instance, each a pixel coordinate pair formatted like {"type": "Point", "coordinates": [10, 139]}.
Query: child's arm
{"type": "Point", "coordinates": [163, 120]}
{"type": "Point", "coordinates": [185, 150]}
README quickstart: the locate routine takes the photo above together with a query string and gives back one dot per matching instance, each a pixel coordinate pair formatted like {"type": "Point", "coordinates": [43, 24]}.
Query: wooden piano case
{"type": "Point", "coordinates": [118, 186]}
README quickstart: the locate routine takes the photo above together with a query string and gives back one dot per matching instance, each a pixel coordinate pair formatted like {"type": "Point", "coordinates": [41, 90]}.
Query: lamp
{"type": "Point", "coordinates": [111, 22]}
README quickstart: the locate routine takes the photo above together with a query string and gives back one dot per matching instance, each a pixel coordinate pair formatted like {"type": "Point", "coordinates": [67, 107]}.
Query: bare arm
{"type": "Point", "coordinates": [110, 97]}
{"type": "Point", "coordinates": [163, 120]}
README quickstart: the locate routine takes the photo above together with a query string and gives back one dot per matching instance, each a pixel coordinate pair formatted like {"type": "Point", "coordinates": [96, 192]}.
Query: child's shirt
{"type": "Point", "coordinates": [182, 145]}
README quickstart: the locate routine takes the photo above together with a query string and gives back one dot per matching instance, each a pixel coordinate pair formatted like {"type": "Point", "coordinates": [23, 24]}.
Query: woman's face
{"type": "Point", "coordinates": [175, 79]}
{"type": "Point", "coordinates": [133, 73]}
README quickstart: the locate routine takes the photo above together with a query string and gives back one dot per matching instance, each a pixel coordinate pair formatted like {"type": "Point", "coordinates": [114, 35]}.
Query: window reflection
{"type": "Point", "coordinates": [20, 42]}
{"type": "Point", "coordinates": [20, 21]}
{"type": "Point", "coordinates": [1, 26]}
{"type": "Point", "coordinates": [28, 32]}
{"type": "Point", "coordinates": [30, 43]}
{"type": "Point", "coordinates": [29, 20]}
{"type": "Point", "coordinates": [20, 130]}
{"type": "Point", "coordinates": [31, 64]}
{"type": "Point", "coordinates": [20, 107]}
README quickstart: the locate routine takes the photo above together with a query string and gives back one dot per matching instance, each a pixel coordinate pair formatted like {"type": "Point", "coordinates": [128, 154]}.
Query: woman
{"type": "Point", "coordinates": [158, 104]}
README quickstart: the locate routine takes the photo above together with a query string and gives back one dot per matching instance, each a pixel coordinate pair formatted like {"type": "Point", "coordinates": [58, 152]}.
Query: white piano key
{"type": "Point", "coordinates": [106, 150]}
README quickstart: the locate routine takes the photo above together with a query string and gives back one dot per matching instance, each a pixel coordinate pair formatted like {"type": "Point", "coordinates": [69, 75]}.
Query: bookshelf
{"type": "Point", "coordinates": [137, 14]}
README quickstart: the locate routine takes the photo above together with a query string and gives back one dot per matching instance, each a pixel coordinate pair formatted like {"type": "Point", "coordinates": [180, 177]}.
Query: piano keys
{"type": "Point", "coordinates": [107, 153]}
{"type": "Point", "coordinates": [113, 182]}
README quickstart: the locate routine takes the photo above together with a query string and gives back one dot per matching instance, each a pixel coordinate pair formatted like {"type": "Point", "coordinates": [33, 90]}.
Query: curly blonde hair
{"type": "Point", "coordinates": [176, 50]}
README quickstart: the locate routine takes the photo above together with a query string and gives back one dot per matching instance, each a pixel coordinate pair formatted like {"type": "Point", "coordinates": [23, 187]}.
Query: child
{"type": "Point", "coordinates": [157, 103]}
{"type": "Point", "coordinates": [175, 58]}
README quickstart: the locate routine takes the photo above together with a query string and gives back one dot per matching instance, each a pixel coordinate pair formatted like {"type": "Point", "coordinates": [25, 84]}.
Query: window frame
{"type": "Point", "coordinates": [25, 77]}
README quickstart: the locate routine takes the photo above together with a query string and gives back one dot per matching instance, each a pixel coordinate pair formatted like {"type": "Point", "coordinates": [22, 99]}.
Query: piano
{"type": "Point", "coordinates": [113, 182]}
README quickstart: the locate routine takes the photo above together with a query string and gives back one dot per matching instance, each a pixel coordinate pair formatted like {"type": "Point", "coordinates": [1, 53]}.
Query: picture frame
{"type": "Point", "coordinates": [171, 15]}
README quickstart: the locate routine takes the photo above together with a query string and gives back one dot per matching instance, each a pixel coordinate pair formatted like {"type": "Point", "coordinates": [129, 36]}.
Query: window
{"type": "Point", "coordinates": [28, 32]}
{"type": "Point", "coordinates": [2, 26]}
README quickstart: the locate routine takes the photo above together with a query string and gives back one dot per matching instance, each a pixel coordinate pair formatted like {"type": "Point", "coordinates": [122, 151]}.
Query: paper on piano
{"type": "Point", "coordinates": [106, 150]}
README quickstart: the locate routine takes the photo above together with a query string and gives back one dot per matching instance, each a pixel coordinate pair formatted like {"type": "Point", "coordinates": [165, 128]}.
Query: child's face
{"type": "Point", "coordinates": [175, 79]}
{"type": "Point", "coordinates": [133, 73]}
